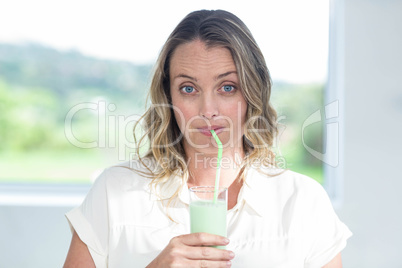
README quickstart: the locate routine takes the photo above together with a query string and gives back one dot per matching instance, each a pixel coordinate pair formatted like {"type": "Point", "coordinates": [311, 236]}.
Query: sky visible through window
{"type": "Point", "coordinates": [291, 33]}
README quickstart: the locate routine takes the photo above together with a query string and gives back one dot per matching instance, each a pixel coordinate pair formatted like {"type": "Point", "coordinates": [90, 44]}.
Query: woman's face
{"type": "Point", "coordinates": [206, 95]}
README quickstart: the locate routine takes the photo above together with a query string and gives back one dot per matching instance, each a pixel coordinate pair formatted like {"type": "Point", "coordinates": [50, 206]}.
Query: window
{"type": "Point", "coordinates": [70, 90]}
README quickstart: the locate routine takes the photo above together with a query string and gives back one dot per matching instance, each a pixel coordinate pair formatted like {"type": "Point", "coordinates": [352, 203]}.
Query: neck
{"type": "Point", "coordinates": [203, 167]}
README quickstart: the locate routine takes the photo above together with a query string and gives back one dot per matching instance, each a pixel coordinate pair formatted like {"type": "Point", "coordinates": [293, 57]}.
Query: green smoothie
{"type": "Point", "coordinates": [208, 217]}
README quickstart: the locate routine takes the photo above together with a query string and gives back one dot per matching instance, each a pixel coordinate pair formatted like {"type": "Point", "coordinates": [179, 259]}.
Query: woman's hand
{"type": "Point", "coordinates": [191, 250]}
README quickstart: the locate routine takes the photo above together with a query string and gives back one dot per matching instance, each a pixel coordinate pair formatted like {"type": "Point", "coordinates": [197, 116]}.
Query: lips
{"type": "Point", "coordinates": [207, 130]}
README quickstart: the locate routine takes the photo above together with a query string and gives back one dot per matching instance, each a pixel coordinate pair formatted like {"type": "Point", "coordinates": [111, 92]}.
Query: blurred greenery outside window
{"type": "Point", "coordinates": [50, 98]}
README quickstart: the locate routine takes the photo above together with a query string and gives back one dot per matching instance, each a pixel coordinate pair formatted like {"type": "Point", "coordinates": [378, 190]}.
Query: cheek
{"type": "Point", "coordinates": [238, 113]}
{"type": "Point", "coordinates": [179, 118]}
{"type": "Point", "coordinates": [183, 115]}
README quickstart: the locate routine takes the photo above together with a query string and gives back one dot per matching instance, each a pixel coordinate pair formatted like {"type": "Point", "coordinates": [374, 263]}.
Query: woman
{"type": "Point", "coordinates": [210, 75]}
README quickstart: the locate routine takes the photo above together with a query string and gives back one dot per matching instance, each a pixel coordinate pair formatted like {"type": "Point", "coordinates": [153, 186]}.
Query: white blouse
{"type": "Point", "coordinates": [279, 221]}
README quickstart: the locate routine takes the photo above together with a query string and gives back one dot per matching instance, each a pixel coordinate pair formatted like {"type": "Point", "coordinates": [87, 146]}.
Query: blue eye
{"type": "Point", "coordinates": [228, 88]}
{"type": "Point", "coordinates": [187, 89]}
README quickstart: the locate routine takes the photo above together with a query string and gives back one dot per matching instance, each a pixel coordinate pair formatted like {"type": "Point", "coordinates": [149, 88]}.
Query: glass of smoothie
{"type": "Point", "coordinates": [207, 213]}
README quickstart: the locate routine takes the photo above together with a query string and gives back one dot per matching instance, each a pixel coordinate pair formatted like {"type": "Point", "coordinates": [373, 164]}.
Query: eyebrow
{"type": "Point", "coordinates": [225, 74]}
{"type": "Point", "coordinates": [195, 79]}
{"type": "Point", "coordinates": [185, 76]}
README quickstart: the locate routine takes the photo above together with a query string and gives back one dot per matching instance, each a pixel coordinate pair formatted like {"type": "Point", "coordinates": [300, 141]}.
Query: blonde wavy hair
{"type": "Point", "coordinates": [215, 28]}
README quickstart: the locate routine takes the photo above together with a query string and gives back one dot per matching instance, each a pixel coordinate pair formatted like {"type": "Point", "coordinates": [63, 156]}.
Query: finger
{"type": "Point", "coordinates": [204, 239]}
{"type": "Point", "coordinates": [210, 264]}
{"type": "Point", "coordinates": [209, 253]}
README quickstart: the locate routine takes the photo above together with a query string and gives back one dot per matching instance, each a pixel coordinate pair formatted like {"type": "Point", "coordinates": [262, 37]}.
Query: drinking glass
{"type": "Point", "coordinates": [208, 214]}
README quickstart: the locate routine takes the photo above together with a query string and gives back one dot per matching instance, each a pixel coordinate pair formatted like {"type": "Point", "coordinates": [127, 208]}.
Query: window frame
{"type": "Point", "coordinates": [334, 94]}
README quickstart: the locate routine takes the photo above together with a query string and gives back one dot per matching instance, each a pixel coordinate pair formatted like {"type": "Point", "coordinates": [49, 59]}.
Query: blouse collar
{"type": "Point", "coordinates": [252, 192]}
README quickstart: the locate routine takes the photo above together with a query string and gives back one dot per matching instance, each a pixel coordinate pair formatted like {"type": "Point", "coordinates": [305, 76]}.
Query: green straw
{"type": "Point", "coordinates": [218, 170]}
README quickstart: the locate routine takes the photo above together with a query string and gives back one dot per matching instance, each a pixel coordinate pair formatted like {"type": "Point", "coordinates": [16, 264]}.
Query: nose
{"type": "Point", "coordinates": [209, 107]}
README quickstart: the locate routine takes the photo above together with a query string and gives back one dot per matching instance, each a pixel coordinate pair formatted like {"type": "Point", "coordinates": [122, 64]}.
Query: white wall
{"type": "Point", "coordinates": [372, 208]}
{"type": "Point", "coordinates": [372, 205]}
{"type": "Point", "coordinates": [33, 236]}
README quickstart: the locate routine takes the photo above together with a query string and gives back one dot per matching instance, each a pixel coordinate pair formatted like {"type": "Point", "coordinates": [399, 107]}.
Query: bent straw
{"type": "Point", "coordinates": [218, 170]}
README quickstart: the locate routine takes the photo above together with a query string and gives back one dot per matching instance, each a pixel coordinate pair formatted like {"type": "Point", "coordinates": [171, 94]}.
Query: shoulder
{"type": "Point", "coordinates": [282, 178]}
{"type": "Point", "coordinates": [291, 193]}
{"type": "Point", "coordinates": [120, 188]}
{"type": "Point", "coordinates": [285, 185]}
{"type": "Point", "coordinates": [284, 192]}
{"type": "Point", "coordinates": [127, 175]}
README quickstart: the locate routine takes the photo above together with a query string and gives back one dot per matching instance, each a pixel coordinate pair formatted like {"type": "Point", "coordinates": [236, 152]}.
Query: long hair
{"type": "Point", "coordinates": [216, 28]}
